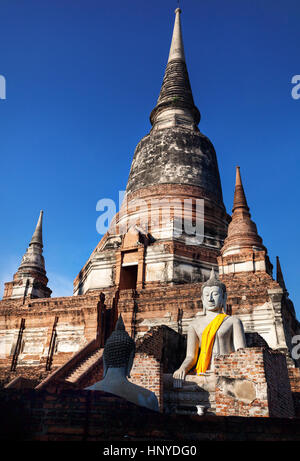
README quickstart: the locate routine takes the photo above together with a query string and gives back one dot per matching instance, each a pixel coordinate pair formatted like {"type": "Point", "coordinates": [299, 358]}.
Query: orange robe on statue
{"type": "Point", "coordinates": [207, 343]}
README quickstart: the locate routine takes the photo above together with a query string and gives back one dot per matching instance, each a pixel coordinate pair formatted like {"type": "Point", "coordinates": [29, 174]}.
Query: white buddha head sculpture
{"type": "Point", "coordinates": [214, 294]}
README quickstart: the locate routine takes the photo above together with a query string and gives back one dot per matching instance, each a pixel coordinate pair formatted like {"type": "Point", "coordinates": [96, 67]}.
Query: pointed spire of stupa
{"type": "Point", "coordinates": [177, 50]}
{"type": "Point", "coordinates": [175, 105]}
{"type": "Point", "coordinates": [239, 193]}
{"type": "Point", "coordinates": [30, 279]}
{"type": "Point", "coordinates": [33, 258]}
{"type": "Point", "coordinates": [243, 249]}
{"type": "Point", "coordinates": [279, 274]}
{"type": "Point", "coordinates": [242, 231]}
{"type": "Point", "coordinates": [38, 233]}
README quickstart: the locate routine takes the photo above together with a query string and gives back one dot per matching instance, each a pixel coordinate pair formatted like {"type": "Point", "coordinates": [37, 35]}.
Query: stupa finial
{"type": "Point", "coordinates": [38, 233]}
{"type": "Point", "coordinates": [239, 200]}
{"type": "Point", "coordinates": [176, 49]}
{"type": "Point", "coordinates": [175, 104]}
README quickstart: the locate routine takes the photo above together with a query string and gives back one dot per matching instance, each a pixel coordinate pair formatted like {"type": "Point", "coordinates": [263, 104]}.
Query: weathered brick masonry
{"type": "Point", "coordinates": [159, 351]}
{"type": "Point", "coordinates": [253, 382]}
{"type": "Point", "coordinates": [96, 416]}
{"type": "Point", "coordinates": [147, 372]}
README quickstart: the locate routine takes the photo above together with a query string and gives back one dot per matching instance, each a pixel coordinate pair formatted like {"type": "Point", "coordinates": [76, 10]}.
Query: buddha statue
{"type": "Point", "coordinates": [118, 356]}
{"type": "Point", "coordinates": [213, 332]}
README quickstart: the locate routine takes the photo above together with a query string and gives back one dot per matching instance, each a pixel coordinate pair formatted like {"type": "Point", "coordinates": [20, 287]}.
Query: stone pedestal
{"type": "Point", "coordinates": [197, 394]}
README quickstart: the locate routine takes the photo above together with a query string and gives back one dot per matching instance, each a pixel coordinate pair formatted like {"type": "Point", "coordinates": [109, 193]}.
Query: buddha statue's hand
{"type": "Point", "coordinates": [179, 376]}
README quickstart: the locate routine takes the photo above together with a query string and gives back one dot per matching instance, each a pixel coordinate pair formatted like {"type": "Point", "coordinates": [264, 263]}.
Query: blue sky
{"type": "Point", "coordinates": [82, 78]}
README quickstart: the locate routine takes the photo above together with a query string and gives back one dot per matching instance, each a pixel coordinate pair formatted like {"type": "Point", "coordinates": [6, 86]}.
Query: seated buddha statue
{"type": "Point", "coordinates": [118, 356]}
{"type": "Point", "coordinates": [211, 334]}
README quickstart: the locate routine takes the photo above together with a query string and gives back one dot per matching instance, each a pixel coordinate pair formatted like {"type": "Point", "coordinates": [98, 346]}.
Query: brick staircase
{"type": "Point", "coordinates": [85, 366]}
{"type": "Point", "coordinates": [76, 375]}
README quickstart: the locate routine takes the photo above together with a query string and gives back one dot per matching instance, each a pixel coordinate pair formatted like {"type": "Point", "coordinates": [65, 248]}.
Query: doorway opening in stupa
{"type": "Point", "coordinates": [128, 277]}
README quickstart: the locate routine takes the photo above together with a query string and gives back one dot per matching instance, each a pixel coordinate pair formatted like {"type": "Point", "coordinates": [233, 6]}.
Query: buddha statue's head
{"type": "Point", "coordinates": [214, 294]}
{"type": "Point", "coordinates": [119, 349]}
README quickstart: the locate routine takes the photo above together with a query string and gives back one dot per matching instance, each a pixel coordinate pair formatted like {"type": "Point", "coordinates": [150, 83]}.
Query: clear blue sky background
{"type": "Point", "coordinates": [82, 78]}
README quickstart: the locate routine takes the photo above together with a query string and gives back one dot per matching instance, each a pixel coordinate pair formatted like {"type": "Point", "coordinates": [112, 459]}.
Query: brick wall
{"type": "Point", "coordinates": [294, 376]}
{"type": "Point", "coordinates": [247, 290]}
{"type": "Point", "coordinates": [35, 374]}
{"type": "Point", "coordinates": [253, 382]}
{"type": "Point", "coordinates": [97, 416]}
{"type": "Point", "coordinates": [280, 398]}
{"type": "Point", "coordinates": [159, 351]}
{"type": "Point", "coordinates": [77, 316]}
{"type": "Point", "coordinates": [147, 372]}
